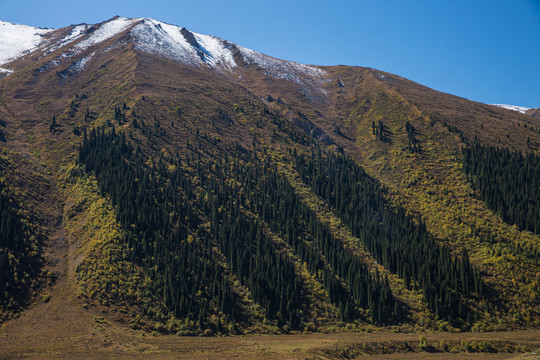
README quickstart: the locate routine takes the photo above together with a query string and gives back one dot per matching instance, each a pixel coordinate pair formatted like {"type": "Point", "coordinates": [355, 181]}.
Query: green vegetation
{"type": "Point", "coordinates": [508, 182]}
{"type": "Point", "coordinates": [242, 223]}
{"type": "Point", "coordinates": [168, 248]}
{"type": "Point", "coordinates": [392, 237]}
{"type": "Point", "coordinates": [214, 213]}
{"type": "Point", "coordinates": [106, 273]}
{"type": "Point", "coordinates": [20, 253]}
{"type": "Point", "coordinates": [269, 195]}
{"type": "Point", "coordinates": [167, 236]}
{"type": "Point", "coordinates": [431, 184]}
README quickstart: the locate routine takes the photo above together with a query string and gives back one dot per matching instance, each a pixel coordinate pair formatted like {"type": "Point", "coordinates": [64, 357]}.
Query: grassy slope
{"type": "Point", "coordinates": [100, 258]}
{"type": "Point", "coordinates": [432, 184]}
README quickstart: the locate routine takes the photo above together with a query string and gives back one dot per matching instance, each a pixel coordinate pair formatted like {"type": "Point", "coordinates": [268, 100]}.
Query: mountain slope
{"type": "Point", "coordinates": [17, 40]}
{"type": "Point", "coordinates": [533, 112]}
{"type": "Point", "coordinates": [190, 171]}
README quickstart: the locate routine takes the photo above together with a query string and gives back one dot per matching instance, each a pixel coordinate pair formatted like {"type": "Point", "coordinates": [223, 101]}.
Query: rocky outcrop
{"type": "Point", "coordinates": [313, 130]}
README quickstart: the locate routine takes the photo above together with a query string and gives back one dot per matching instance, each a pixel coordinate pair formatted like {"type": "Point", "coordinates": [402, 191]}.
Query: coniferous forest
{"type": "Point", "coordinates": [508, 182]}
{"type": "Point", "coordinates": [196, 223]}
{"type": "Point", "coordinates": [394, 239]}
{"type": "Point", "coordinates": [20, 260]}
{"type": "Point", "coordinates": [167, 238]}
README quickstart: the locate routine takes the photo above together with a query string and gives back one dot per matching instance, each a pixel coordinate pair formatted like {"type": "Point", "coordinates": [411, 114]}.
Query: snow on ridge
{"type": "Point", "coordinates": [163, 39]}
{"type": "Point", "coordinates": [282, 69]}
{"type": "Point", "coordinates": [216, 52]}
{"type": "Point", "coordinates": [310, 78]}
{"type": "Point", "coordinates": [17, 40]}
{"type": "Point", "coordinates": [154, 37]}
{"type": "Point", "coordinates": [520, 109]}
{"type": "Point", "coordinates": [77, 32]}
{"type": "Point", "coordinates": [105, 31]}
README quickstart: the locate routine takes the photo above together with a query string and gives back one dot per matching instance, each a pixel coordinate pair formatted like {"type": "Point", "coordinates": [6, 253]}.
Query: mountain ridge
{"type": "Point", "coordinates": [155, 37]}
{"type": "Point", "coordinates": [171, 41]}
{"type": "Point", "coordinates": [201, 131]}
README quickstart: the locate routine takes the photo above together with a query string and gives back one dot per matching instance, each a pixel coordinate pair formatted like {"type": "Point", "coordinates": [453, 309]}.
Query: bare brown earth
{"type": "Point", "coordinates": [63, 329]}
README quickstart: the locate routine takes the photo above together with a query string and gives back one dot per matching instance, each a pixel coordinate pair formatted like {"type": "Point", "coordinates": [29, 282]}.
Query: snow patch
{"type": "Point", "coordinates": [18, 40]}
{"type": "Point", "coordinates": [105, 31]}
{"type": "Point", "coordinates": [215, 52]}
{"type": "Point", "coordinates": [5, 71]}
{"type": "Point", "coordinates": [158, 38]}
{"type": "Point", "coordinates": [282, 69]}
{"type": "Point", "coordinates": [78, 66]}
{"type": "Point", "coordinates": [520, 109]}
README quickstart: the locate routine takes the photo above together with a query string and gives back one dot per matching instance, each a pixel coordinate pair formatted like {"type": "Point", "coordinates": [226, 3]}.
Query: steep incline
{"type": "Point", "coordinates": [155, 112]}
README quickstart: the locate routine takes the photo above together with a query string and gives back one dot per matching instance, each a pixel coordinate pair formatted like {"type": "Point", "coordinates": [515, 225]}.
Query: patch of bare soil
{"type": "Point", "coordinates": [63, 329]}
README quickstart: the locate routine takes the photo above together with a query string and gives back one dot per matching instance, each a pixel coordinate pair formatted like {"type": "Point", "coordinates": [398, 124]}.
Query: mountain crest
{"type": "Point", "coordinates": [149, 36]}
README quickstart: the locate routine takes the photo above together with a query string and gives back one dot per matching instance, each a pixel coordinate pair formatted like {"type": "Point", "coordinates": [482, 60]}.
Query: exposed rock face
{"type": "Point", "coordinates": [238, 57]}
{"type": "Point", "coordinates": [313, 130]}
{"type": "Point", "coordinates": [190, 38]}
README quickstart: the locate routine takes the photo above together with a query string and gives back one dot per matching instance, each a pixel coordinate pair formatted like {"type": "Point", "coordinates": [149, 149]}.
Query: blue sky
{"type": "Point", "coordinates": [483, 50]}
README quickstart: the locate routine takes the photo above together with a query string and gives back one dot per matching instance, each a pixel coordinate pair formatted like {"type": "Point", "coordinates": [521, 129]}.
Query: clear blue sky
{"type": "Point", "coordinates": [483, 50]}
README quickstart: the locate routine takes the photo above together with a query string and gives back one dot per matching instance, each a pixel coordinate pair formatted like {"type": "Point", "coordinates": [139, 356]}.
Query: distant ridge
{"type": "Point", "coordinates": [520, 109]}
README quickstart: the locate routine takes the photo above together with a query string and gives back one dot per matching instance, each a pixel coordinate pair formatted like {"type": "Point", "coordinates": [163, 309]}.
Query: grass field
{"type": "Point", "coordinates": [62, 328]}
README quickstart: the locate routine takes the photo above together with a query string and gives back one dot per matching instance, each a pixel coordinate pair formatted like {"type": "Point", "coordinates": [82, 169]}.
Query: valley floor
{"type": "Point", "coordinates": [63, 329]}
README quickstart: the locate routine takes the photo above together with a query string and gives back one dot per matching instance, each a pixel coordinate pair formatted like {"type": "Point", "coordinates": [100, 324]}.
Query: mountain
{"type": "Point", "coordinates": [176, 182]}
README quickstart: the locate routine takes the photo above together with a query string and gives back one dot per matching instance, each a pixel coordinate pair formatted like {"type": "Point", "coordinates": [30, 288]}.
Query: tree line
{"type": "Point", "coordinates": [507, 181]}
{"type": "Point", "coordinates": [395, 240]}
{"type": "Point", "coordinates": [20, 258]}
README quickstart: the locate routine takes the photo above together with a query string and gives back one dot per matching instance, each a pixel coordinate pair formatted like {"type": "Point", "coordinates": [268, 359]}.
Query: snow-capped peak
{"type": "Point", "coordinates": [18, 40]}
{"type": "Point", "coordinates": [182, 45]}
{"type": "Point", "coordinates": [150, 36]}
{"type": "Point", "coordinates": [520, 109]}
{"type": "Point", "coordinates": [104, 31]}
